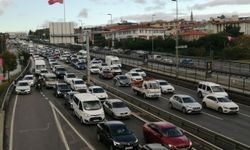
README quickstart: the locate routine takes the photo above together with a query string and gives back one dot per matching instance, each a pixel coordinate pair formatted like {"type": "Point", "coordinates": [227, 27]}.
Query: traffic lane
{"type": "Point", "coordinates": [87, 130]}
{"type": "Point", "coordinates": [34, 125]}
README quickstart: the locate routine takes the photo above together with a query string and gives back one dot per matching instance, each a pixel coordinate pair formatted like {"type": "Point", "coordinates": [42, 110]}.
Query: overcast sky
{"type": "Point", "coordinates": [23, 15]}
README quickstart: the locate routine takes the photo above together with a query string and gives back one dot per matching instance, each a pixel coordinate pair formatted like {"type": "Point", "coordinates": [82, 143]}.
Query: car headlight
{"type": "Point", "coordinates": [86, 115]}
{"type": "Point", "coordinates": [225, 107]}
{"type": "Point", "coordinates": [171, 146]}
{"type": "Point", "coordinates": [116, 143]}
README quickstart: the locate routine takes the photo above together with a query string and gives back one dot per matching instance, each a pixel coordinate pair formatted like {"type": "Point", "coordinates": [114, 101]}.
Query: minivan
{"type": "Point", "coordinates": [204, 88]}
{"type": "Point", "coordinates": [88, 108]}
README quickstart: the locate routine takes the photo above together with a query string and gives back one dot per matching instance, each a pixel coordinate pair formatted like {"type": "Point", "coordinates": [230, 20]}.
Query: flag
{"type": "Point", "coordinates": [51, 2]}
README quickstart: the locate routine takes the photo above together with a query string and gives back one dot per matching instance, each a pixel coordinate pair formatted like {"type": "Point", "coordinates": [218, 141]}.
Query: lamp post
{"type": "Point", "coordinates": [152, 35]}
{"type": "Point", "coordinates": [177, 40]}
{"type": "Point", "coordinates": [81, 33]}
{"type": "Point", "coordinates": [111, 22]}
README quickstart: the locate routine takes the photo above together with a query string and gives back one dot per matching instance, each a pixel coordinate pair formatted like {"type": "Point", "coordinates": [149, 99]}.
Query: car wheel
{"type": "Point", "coordinates": [99, 137]}
{"type": "Point", "coordinates": [220, 110]}
{"type": "Point", "coordinates": [117, 83]}
{"type": "Point", "coordinates": [204, 105]}
{"type": "Point", "coordinates": [144, 96]}
{"type": "Point", "coordinates": [81, 120]}
{"type": "Point", "coordinates": [200, 94]}
{"type": "Point", "coordinates": [184, 110]}
{"type": "Point", "coordinates": [171, 105]}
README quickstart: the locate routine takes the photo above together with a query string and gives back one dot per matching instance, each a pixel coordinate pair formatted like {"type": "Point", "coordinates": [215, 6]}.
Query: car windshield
{"type": "Point", "coordinates": [23, 84]}
{"type": "Point", "coordinates": [115, 68]}
{"type": "Point", "coordinates": [79, 82]}
{"type": "Point", "coordinates": [172, 132]}
{"type": "Point", "coordinates": [138, 70]}
{"type": "Point", "coordinates": [80, 63]}
{"type": "Point", "coordinates": [119, 130]}
{"type": "Point", "coordinates": [50, 78]}
{"type": "Point", "coordinates": [118, 105]}
{"type": "Point", "coordinates": [63, 87]}
{"type": "Point", "coordinates": [98, 90]}
{"type": "Point", "coordinates": [135, 74]}
{"type": "Point", "coordinates": [188, 100]}
{"type": "Point", "coordinates": [92, 105]}
{"type": "Point", "coordinates": [28, 78]}
{"type": "Point", "coordinates": [94, 67]}
{"type": "Point", "coordinates": [44, 71]}
{"type": "Point", "coordinates": [217, 89]}
{"type": "Point", "coordinates": [71, 76]}
{"type": "Point", "coordinates": [224, 99]}
{"type": "Point", "coordinates": [163, 83]}
{"type": "Point", "coordinates": [60, 69]}
{"type": "Point", "coordinates": [123, 77]}
{"type": "Point", "coordinates": [153, 86]}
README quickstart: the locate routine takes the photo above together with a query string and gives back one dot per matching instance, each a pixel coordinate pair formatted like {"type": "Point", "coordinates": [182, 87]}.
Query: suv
{"type": "Point", "coordinates": [61, 89]}
{"type": "Point", "coordinates": [60, 72]}
{"type": "Point", "coordinates": [205, 88]}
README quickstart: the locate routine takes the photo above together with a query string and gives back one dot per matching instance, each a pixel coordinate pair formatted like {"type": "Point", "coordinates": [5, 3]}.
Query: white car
{"type": "Point", "coordinates": [68, 77]}
{"type": "Point", "coordinates": [30, 79]}
{"type": "Point", "coordinates": [139, 70]}
{"type": "Point", "coordinates": [98, 92]}
{"type": "Point", "coordinates": [134, 76]}
{"type": "Point", "coordinates": [94, 69]}
{"type": "Point", "coordinates": [165, 86]}
{"type": "Point", "coordinates": [78, 85]}
{"type": "Point", "coordinates": [22, 87]}
{"type": "Point", "coordinates": [220, 103]}
{"type": "Point", "coordinates": [96, 63]}
{"type": "Point", "coordinates": [116, 70]}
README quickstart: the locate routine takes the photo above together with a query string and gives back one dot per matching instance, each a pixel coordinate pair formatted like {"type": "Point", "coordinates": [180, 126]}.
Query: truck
{"type": "Point", "coordinates": [148, 88]}
{"type": "Point", "coordinates": [39, 65]}
{"type": "Point", "coordinates": [113, 60]}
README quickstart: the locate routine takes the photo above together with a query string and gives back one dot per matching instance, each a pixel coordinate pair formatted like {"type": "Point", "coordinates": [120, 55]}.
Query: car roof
{"type": "Point", "coordinates": [23, 81]}
{"type": "Point", "coordinates": [95, 86]}
{"type": "Point", "coordinates": [114, 122]}
{"type": "Point", "coordinates": [114, 100]}
{"type": "Point", "coordinates": [161, 80]}
{"type": "Point", "coordinates": [76, 79]}
{"type": "Point", "coordinates": [29, 75]}
{"type": "Point", "coordinates": [163, 124]}
{"type": "Point", "coordinates": [86, 97]}
{"type": "Point", "coordinates": [49, 75]}
{"type": "Point", "coordinates": [209, 83]}
{"type": "Point", "coordinates": [182, 95]}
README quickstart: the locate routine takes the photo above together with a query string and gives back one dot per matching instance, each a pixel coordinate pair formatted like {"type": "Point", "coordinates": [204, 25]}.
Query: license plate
{"type": "Point", "coordinates": [129, 147]}
{"type": "Point", "coordinates": [96, 120]}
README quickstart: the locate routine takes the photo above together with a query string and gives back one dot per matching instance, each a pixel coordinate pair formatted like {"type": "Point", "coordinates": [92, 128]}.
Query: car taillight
{"type": "Point", "coordinates": [190, 143]}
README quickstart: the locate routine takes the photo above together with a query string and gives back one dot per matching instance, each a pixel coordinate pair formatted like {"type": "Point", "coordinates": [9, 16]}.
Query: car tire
{"type": "Point", "coordinates": [81, 120]}
{"type": "Point", "coordinates": [171, 105]}
{"type": "Point", "coordinates": [117, 84]}
{"type": "Point", "coordinates": [184, 111]}
{"type": "Point", "coordinates": [144, 96]}
{"type": "Point", "coordinates": [204, 105]}
{"type": "Point", "coordinates": [220, 110]}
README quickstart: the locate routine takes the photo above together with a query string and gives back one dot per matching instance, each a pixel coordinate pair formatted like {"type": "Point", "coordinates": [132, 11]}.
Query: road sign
{"type": "Point", "coordinates": [182, 46]}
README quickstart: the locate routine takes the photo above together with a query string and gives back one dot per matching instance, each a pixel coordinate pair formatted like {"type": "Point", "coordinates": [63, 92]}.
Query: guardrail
{"type": "Point", "coordinates": [5, 102]}
{"type": "Point", "coordinates": [219, 141]}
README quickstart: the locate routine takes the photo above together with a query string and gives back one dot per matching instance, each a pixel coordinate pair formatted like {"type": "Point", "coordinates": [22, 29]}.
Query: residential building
{"type": "Point", "coordinates": [192, 35]}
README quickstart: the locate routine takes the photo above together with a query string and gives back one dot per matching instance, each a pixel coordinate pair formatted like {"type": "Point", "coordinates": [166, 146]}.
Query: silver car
{"type": "Point", "coordinates": [116, 108]}
{"type": "Point", "coordinates": [185, 103]}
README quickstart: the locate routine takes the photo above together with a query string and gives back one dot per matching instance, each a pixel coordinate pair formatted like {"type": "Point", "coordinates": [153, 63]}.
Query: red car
{"type": "Point", "coordinates": [166, 133]}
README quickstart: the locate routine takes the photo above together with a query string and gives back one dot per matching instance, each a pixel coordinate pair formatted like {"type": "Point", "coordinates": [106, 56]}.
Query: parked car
{"type": "Point", "coordinates": [68, 98]}
{"type": "Point", "coordinates": [116, 135]}
{"type": "Point", "coordinates": [22, 87]}
{"type": "Point", "coordinates": [220, 103]}
{"type": "Point", "coordinates": [30, 79]}
{"type": "Point", "coordinates": [105, 74]}
{"type": "Point", "coordinates": [121, 80]}
{"type": "Point", "coordinates": [140, 71]}
{"type": "Point", "coordinates": [68, 77]}
{"type": "Point", "coordinates": [185, 103]}
{"type": "Point", "coordinates": [134, 76]}
{"type": "Point", "coordinates": [116, 108]}
{"type": "Point", "coordinates": [78, 85]}
{"type": "Point", "coordinates": [61, 89]}
{"type": "Point", "coordinates": [165, 86]}
{"type": "Point", "coordinates": [99, 92]}
{"type": "Point", "coordinates": [166, 133]}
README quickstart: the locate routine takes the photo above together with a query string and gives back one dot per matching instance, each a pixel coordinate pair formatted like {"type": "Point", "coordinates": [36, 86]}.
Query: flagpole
{"type": "Point", "coordinates": [64, 10]}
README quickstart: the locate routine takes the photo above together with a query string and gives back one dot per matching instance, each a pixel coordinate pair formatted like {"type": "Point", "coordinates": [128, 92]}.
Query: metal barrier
{"type": "Point", "coordinates": [206, 134]}
{"type": "Point", "coordinates": [5, 102]}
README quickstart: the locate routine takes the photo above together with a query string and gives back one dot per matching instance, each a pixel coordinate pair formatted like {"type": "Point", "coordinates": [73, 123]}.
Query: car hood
{"type": "Point", "coordinates": [121, 110]}
{"type": "Point", "coordinates": [125, 138]}
{"type": "Point", "coordinates": [221, 93]}
{"type": "Point", "coordinates": [177, 141]}
{"type": "Point", "coordinates": [80, 86]}
{"type": "Point", "coordinates": [125, 81]}
{"type": "Point", "coordinates": [101, 95]}
{"type": "Point", "coordinates": [23, 87]}
{"type": "Point", "coordinates": [167, 87]}
{"type": "Point", "coordinates": [229, 104]}
{"type": "Point", "coordinates": [192, 104]}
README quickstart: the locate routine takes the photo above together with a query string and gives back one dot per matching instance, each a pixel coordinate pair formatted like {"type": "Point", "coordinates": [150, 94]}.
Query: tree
{"type": "Point", "coordinates": [9, 62]}
{"type": "Point", "coordinates": [233, 30]}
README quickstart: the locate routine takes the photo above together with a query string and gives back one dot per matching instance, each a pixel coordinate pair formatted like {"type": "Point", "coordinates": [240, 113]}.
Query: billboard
{"type": "Point", "coordinates": [61, 32]}
{"type": "Point", "coordinates": [1, 69]}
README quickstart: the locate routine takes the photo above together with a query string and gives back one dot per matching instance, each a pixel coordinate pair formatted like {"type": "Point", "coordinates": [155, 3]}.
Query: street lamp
{"type": "Point", "coordinates": [81, 32]}
{"type": "Point", "coordinates": [111, 22]}
{"type": "Point", "coordinates": [177, 40]}
{"type": "Point", "coordinates": [152, 35]}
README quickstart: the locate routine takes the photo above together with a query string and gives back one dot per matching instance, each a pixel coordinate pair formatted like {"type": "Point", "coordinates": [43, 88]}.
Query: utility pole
{"type": "Point", "coordinates": [152, 35]}
{"type": "Point", "coordinates": [88, 57]}
{"type": "Point", "coordinates": [177, 40]}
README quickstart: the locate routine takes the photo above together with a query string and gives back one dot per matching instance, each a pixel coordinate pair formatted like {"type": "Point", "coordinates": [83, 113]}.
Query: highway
{"type": "Point", "coordinates": [41, 121]}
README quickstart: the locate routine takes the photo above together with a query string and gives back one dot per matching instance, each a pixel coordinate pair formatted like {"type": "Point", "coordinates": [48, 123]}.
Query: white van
{"type": "Point", "coordinates": [88, 108]}
{"type": "Point", "coordinates": [204, 88]}
{"type": "Point", "coordinates": [39, 64]}
{"type": "Point", "coordinates": [113, 60]}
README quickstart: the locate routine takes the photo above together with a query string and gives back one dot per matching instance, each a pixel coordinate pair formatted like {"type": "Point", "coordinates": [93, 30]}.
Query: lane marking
{"type": "Point", "coordinates": [60, 130]}
{"type": "Point", "coordinates": [12, 124]}
{"type": "Point", "coordinates": [211, 115]}
{"type": "Point", "coordinates": [245, 115]}
{"type": "Point", "coordinates": [72, 127]}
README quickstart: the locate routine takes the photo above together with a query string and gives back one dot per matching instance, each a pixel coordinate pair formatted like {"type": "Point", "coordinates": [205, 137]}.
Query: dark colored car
{"type": "Point", "coordinates": [117, 135]}
{"type": "Point", "coordinates": [68, 98]}
{"type": "Point", "coordinates": [186, 62]}
{"type": "Point", "coordinates": [166, 133]}
{"type": "Point", "coordinates": [73, 61]}
{"type": "Point", "coordinates": [61, 89]}
{"type": "Point", "coordinates": [106, 74]}
{"type": "Point", "coordinates": [79, 65]}
{"type": "Point", "coordinates": [60, 72]}
{"type": "Point", "coordinates": [121, 80]}
{"type": "Point", "coordinates": [154, 146]}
